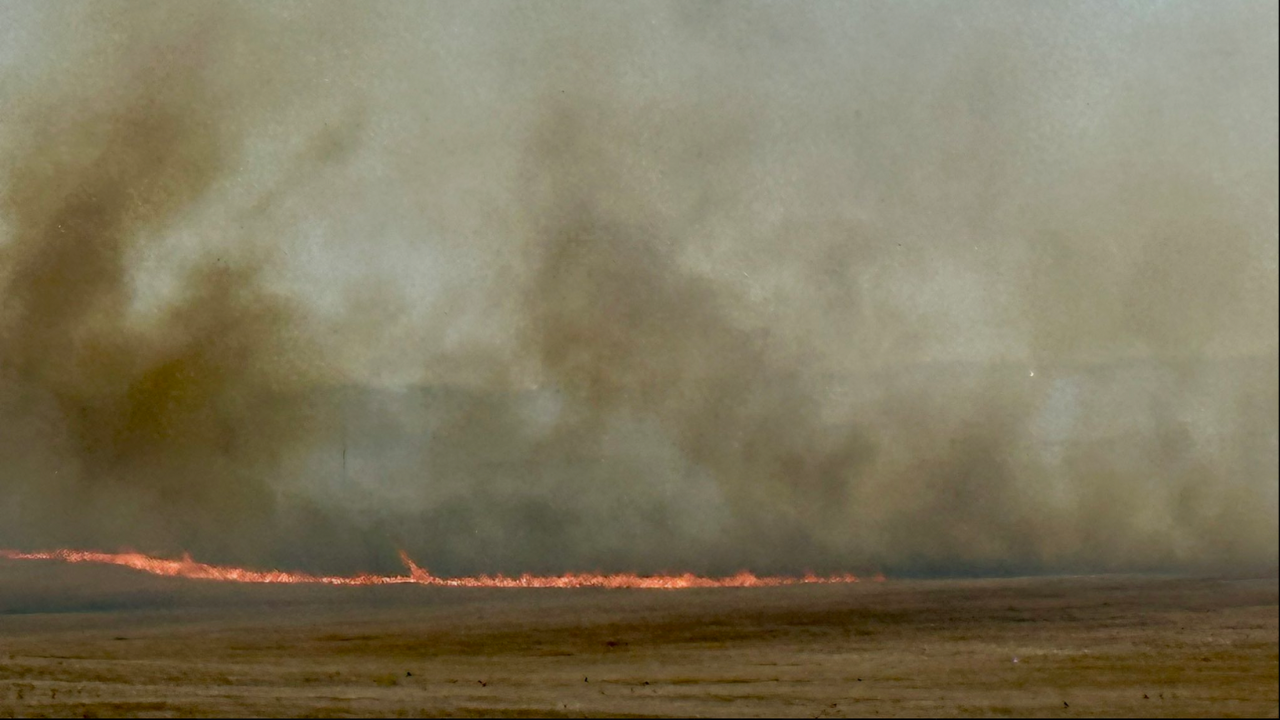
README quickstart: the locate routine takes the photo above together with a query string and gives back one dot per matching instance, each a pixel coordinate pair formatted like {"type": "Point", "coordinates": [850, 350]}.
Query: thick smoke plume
{"type": "Point", "coordinates": [642, 288]}
{"type": "Point", "coordinates": [128, 422]}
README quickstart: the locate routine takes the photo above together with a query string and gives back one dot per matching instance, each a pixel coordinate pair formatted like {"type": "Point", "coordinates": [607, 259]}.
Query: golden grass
{"type": "Point", "coordinates": [147, 647]}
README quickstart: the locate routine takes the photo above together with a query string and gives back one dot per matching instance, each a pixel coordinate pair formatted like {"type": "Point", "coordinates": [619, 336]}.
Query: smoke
{"type": "Point", "coordinates": [683, 288]}
{"type": "Point", "coordinates": [130, 420]}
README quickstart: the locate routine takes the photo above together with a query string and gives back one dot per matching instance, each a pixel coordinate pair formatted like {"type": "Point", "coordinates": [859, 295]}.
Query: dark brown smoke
{"type": "Point", "coordinates": [132, 421]}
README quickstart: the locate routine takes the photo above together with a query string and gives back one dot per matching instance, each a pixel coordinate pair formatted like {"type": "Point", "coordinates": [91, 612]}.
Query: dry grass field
{"type": "Point", "coordinates": [102, 642]}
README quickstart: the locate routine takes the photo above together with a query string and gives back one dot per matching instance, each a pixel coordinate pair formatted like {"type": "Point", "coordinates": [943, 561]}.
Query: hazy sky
{"type": "Point", "coordinates": [863, 166]}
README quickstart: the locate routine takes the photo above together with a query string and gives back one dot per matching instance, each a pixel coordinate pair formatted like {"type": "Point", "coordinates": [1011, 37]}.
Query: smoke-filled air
{"type": "Point", "coordinates": [909, 288]}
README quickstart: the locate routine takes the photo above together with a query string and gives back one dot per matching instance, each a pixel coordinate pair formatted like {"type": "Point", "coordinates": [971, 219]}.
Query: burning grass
{"type": "Point", "coordinates": [186, 567]}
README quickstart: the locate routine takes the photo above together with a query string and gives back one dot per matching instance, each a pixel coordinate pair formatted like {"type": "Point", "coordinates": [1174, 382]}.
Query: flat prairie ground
{"type": "Point", "coordinates": [99, 642]}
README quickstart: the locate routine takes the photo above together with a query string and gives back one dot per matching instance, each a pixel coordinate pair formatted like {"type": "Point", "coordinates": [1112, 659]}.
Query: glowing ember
{"type": "Point", "coordinates": [188, 568]}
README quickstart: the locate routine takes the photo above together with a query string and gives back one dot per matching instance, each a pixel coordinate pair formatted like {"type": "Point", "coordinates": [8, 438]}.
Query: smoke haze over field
{"type": "Point", "coordinates": [962, 289]}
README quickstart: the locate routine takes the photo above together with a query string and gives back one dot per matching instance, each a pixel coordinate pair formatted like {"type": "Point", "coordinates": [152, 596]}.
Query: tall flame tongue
{"type": "Point", "coordinates": [188, 568]}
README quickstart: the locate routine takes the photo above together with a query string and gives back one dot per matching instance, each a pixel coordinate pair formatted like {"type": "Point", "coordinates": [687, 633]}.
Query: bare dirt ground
{"type": "Point", "coordinates": [89, 641]}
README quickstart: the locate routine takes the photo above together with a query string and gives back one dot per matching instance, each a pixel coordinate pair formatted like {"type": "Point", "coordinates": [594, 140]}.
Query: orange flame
{"type": "Point", "coordinates": [190, 569]}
